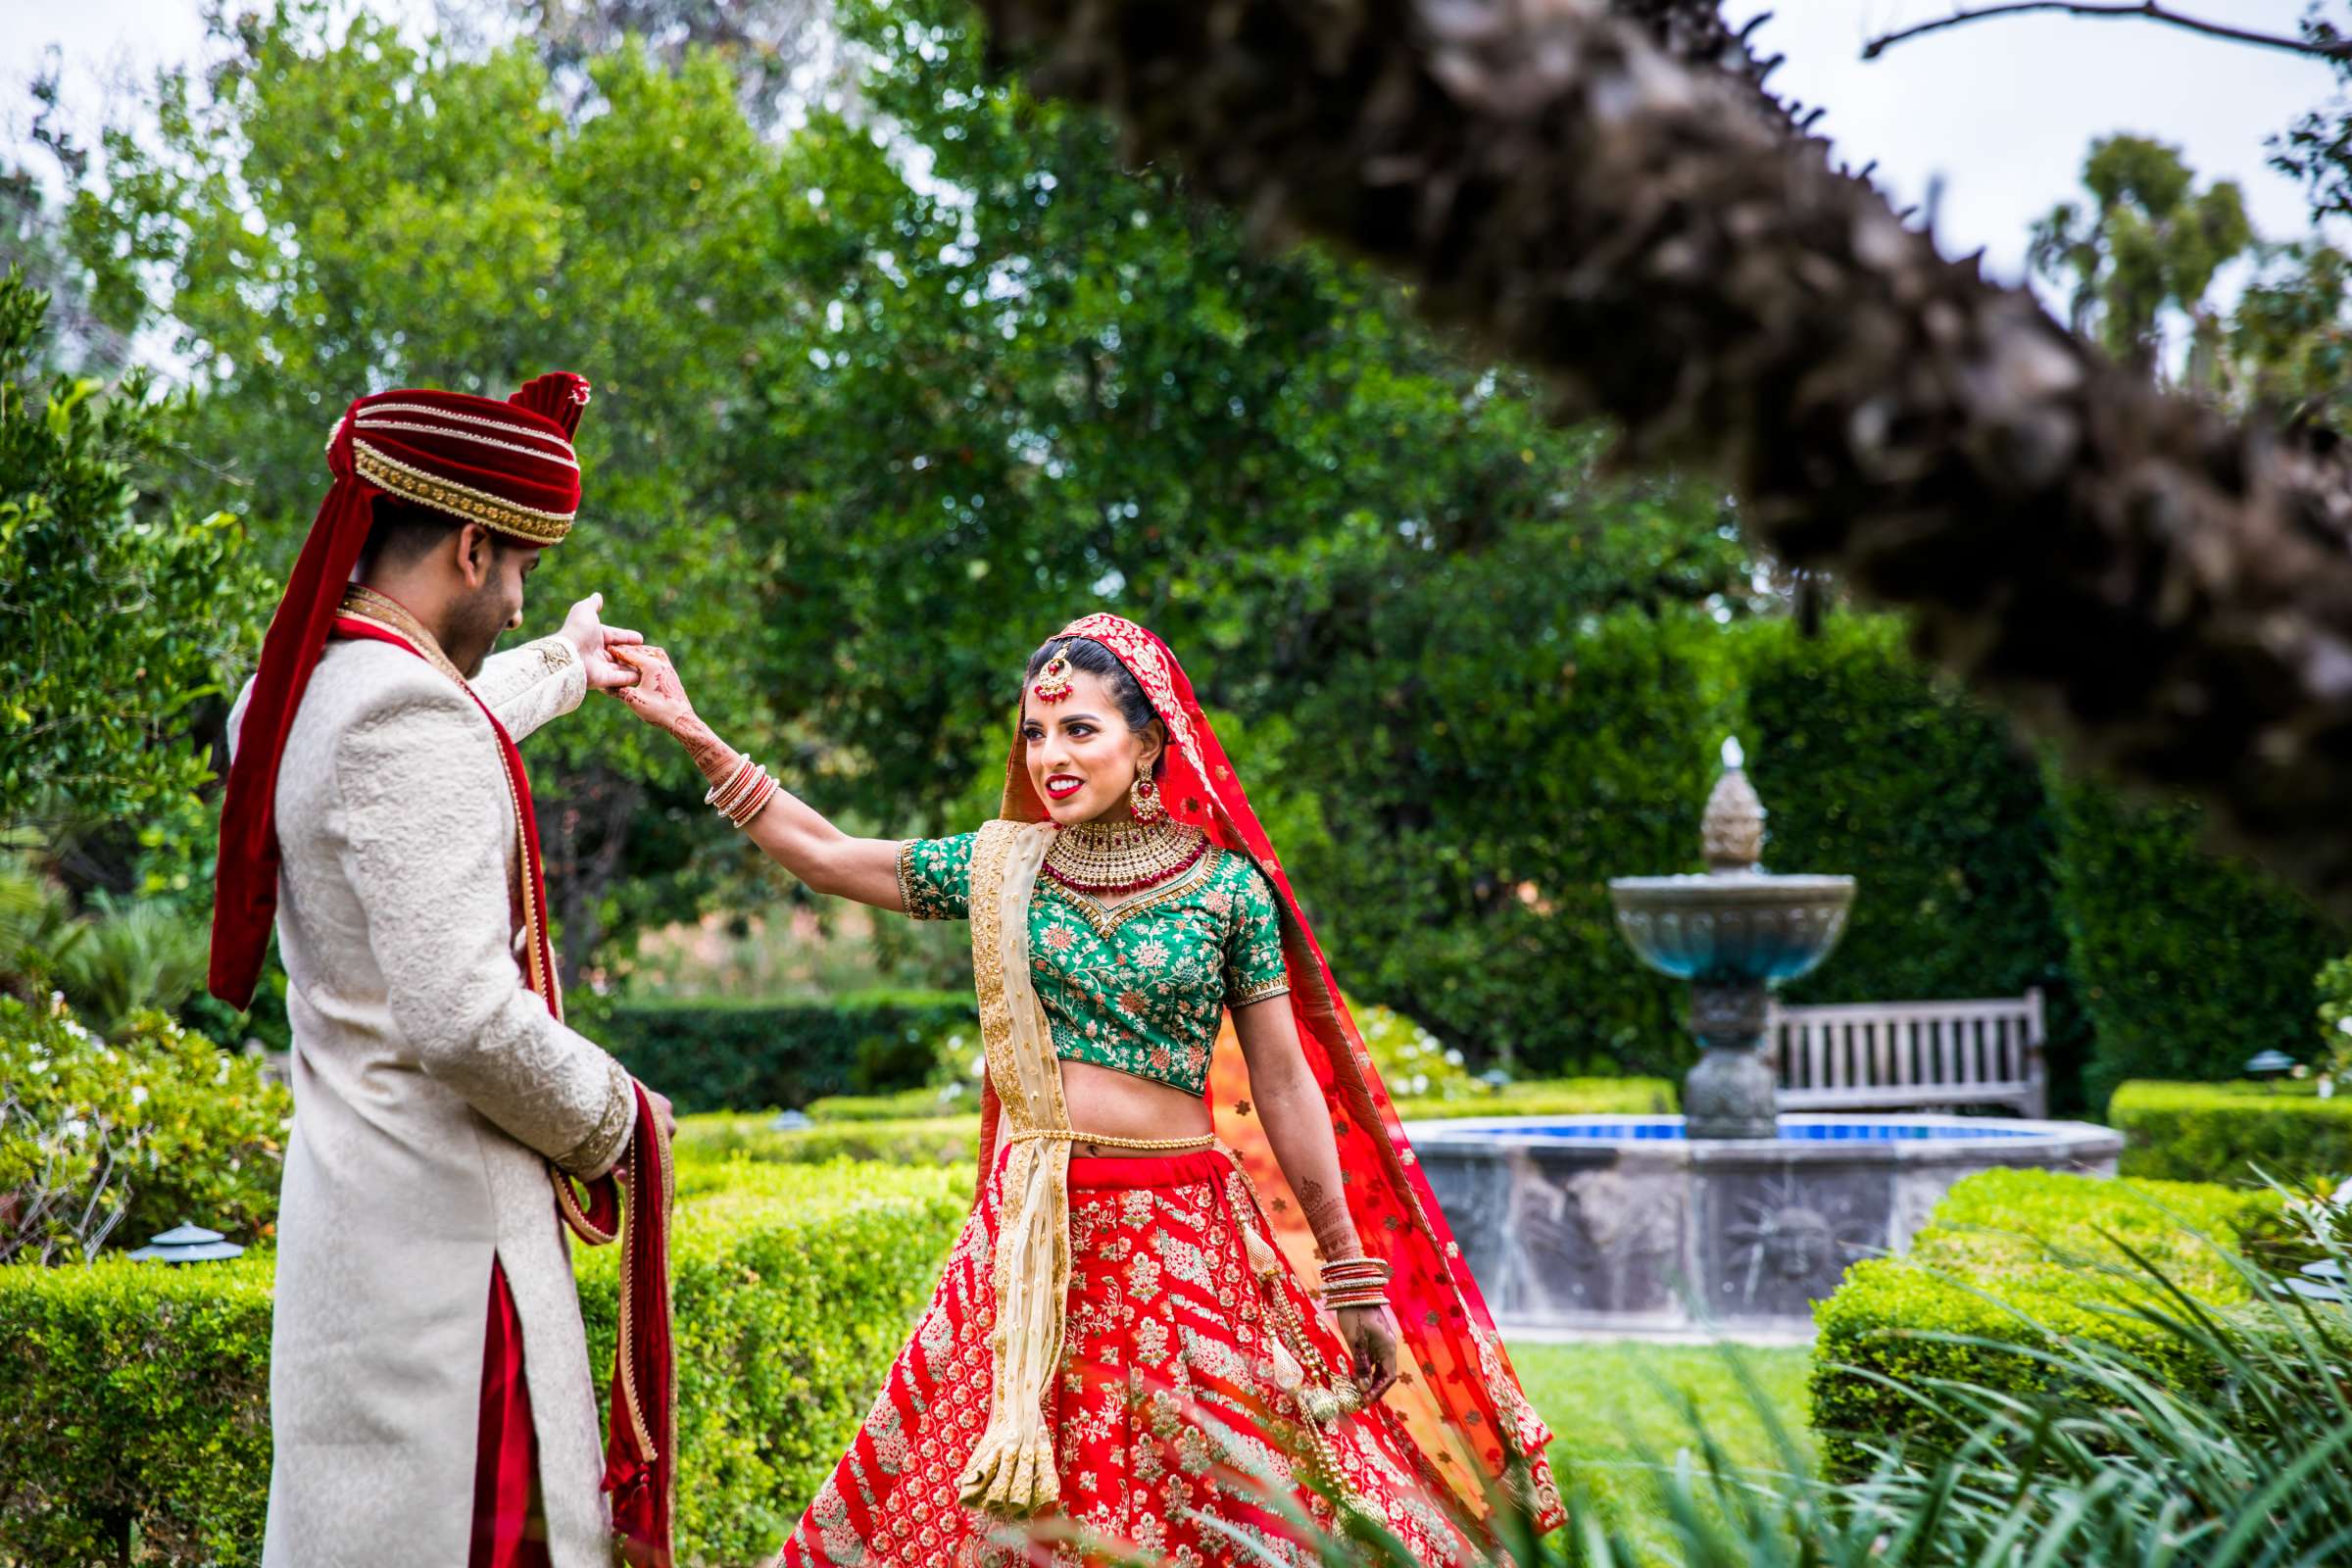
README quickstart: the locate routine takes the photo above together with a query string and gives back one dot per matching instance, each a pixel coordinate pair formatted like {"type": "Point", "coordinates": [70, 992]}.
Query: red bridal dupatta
{"type": "Point", "coordinates": [1459, 1397]}
{"type": "Point", "coordinates": [428, 446]}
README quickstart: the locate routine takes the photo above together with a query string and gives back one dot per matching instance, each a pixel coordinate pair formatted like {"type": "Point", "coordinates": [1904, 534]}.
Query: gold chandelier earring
{"type": "Point", "coordinates": [1143, 797]}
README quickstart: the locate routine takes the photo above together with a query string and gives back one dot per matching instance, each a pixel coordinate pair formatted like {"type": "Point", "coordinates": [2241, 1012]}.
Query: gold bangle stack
{"type": "Point", "coordinates": [1355, 1282]}
{"type": "Point", "coordinates": [742, 796]}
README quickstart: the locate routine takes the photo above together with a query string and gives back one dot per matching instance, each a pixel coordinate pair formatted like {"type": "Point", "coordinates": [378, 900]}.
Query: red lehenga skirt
{"type": "Point", "coordinates": [1171, 1420]}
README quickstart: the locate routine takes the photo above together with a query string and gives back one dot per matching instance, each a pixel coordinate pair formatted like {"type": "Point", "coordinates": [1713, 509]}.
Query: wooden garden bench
{"type": "Point", "coordinates": [1891, 1056]}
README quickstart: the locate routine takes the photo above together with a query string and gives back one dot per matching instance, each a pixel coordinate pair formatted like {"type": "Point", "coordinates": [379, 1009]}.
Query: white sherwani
{"type": "Point", "coordinates": [429, 1083]}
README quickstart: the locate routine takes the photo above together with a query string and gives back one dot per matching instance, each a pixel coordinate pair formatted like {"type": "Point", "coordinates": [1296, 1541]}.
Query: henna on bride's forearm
{"type": "Point", "coordinates": [1327, 1216]}
{"type": "Point", "coordinates": [714, 757]}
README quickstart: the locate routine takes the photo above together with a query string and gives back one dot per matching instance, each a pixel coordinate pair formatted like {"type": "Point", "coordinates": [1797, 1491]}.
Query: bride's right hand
{"type": "Point", "coordinates": [658, 697]}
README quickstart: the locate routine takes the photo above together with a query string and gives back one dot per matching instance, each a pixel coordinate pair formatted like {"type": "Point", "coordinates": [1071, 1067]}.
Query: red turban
{"type": "Point", "coordinates": [509, 466]}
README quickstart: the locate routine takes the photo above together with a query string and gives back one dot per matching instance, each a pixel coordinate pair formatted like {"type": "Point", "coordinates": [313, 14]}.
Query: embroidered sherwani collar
{"type": "Point", "coordinates": [363, 603]}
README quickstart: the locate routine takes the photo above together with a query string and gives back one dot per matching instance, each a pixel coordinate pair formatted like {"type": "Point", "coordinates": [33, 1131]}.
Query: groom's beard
{"type": "Point", "coordinates": [475, 624]}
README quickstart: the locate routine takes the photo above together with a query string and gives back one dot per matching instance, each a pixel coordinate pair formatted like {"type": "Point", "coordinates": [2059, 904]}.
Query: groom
{"type": "Point", "coordinates": [429, 1388]}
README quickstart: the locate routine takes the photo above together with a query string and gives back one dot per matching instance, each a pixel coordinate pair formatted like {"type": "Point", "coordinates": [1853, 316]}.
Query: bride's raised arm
{"type": "Point", "coordinates": [794, 835]}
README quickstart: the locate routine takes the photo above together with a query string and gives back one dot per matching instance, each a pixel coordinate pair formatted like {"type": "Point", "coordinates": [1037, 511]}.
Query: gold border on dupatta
{"type": "Point", "coordinates": [1010, 1474]}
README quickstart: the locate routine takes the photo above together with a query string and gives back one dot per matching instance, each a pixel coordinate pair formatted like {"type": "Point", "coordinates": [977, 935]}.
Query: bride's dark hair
{"type": "Point", "coordinates": [1090, 656]}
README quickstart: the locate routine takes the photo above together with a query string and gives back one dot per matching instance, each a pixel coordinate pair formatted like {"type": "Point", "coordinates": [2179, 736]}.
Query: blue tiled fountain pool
{"type": "Point", "coordinates": [1815, 1130]}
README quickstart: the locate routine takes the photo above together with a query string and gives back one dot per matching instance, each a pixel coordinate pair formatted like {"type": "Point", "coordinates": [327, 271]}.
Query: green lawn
{"type": "Point", "coordinates": [1615, 1410]}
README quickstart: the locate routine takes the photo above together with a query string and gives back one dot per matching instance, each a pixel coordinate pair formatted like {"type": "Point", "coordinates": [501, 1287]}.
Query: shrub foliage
{"type": "Point", "coordinates": [2231, 1132]}
{"type": "Point", "coordinates": [2011, 1265]}
{"type": "Point", "coordinates": [104, 1143]}
{"type": "Point", "coordinates": [135, 1399]}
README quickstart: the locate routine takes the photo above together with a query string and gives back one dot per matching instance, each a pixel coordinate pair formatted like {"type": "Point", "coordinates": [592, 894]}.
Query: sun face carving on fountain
{"type": "Point", "coordinates": [1780, 1237]}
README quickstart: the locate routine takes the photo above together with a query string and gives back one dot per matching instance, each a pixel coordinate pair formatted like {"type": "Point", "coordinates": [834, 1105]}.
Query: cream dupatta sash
{"type": "Point", "coordinates": [1010, 1474]}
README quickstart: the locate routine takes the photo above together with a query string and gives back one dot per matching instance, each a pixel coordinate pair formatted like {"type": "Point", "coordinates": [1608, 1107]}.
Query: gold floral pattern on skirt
{"type": "Point", "coordinates": [1168, 1411]}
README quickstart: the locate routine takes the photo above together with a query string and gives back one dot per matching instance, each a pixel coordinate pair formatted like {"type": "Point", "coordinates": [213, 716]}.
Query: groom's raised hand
{"type": "Point", "coordinates": [584, 628]}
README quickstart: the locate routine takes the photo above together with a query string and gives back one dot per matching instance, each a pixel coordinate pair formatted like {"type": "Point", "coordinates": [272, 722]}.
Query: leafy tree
{"type": "Point", "coordinates": [1066, 385]}
{"type": "Point", "coordinates": [335, 214]}
{"type": "Point", "coordinates": [1050, 385]}
{"type": "Point", "coordinates": [2290, 337]}
{"type": "Point", "coordinates": [881, 401]}
{"type": "Point", "coordinates": [123, 612]}
{"type": "Point", "coordinates": [2149, 242]}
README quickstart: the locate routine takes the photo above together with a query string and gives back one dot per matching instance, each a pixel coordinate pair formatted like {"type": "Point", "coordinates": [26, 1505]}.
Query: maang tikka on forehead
{"type": "Point", "coordinates": [1055, 682]}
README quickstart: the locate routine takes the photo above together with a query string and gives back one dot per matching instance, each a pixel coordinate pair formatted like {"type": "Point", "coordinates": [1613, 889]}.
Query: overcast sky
{"type": "Point", "coordinates": [2001, 110]}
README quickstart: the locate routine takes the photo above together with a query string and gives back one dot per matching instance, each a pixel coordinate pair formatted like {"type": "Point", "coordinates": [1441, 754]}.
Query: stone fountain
{"type": "Point", "coordinates": [1727, 1219]}
{"type": "Point", "coordinates": [1733, 933]}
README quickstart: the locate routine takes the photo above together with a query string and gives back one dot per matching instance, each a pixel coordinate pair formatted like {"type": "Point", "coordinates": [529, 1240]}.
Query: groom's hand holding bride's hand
{"type": "Point", "coordinates": [596, 643]}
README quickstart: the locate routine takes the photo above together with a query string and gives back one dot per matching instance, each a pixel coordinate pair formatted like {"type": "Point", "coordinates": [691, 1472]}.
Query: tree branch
{"type": "Point", "coordinates": [2144, 10]}
{"type": "Point", "coordinates": [2169, 593]}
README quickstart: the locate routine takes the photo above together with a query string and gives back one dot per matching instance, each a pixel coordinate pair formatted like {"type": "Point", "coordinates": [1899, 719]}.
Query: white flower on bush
{"type": "Point", "coordinates": [980, 1065]}
{"type": "Point", "coordinates": [1454, 1058]}
{"type": "Point", "coordinates": [138, 1094]}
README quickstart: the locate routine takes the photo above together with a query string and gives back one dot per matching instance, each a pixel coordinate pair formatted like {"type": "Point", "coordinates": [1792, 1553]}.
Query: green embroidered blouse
{"type": "Point", "coordinates": [1141, 986]}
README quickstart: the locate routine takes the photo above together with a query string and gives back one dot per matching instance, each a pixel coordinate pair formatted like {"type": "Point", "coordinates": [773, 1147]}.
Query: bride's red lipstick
{"type": "Point", "coordinates": [1062, 788]}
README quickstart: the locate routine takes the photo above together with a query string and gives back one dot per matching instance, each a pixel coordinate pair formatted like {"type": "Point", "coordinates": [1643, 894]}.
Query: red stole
{"type": "Point", "coordinates": [640, 1451]}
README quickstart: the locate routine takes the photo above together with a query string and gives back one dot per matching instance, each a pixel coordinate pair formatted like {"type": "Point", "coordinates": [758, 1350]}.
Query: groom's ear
{"type": "Point", "coordinates": [476, 549]}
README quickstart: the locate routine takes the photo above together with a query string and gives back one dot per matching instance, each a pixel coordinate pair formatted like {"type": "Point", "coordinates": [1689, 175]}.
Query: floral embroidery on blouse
{"type": "Point", "coordinates": [1140, 987]}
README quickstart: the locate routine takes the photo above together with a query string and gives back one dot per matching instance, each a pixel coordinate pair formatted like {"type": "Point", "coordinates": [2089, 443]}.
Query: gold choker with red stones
{"type": "Point", "coordinates": [1106, 860]}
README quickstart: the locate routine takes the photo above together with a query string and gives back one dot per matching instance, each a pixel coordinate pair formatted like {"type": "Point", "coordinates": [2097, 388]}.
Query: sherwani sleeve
{"type": "Point", "coordinates": [527, 686]}
{"type": "Point", "coordinates": [427, 828]}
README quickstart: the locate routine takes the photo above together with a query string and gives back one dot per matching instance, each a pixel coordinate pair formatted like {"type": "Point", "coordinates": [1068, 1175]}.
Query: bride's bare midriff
{"type": "Point", "coordinates": [1119, 1105]}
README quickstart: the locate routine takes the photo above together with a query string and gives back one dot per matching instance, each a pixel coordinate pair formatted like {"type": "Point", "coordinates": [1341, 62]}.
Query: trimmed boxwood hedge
{"type": "Point", "coordinates": [848, 1128]}
{"type": "Point", "coordinates": [715, 1055]}
{"type": "Point", "coordinates": [2225, 1132]}
{"type": "Point", "coordinates": [1552, 1097]}
{"type": "Point", "coordinates": [136, 1398]}
{"type": "Point", "coordinates": [918, 1140]}
{"type": "Point", "coordinates": [2000, 1261]}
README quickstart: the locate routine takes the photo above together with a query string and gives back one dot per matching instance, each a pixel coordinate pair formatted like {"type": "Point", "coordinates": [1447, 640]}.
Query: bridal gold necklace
{"type": "Point", "coordinates": [1107, 859]}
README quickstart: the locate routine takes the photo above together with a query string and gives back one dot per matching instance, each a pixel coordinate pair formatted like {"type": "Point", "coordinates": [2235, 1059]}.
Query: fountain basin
{"type": "Point", "coordinates": [1743, 928]}
{"type": "Point", "coordinates": [1621, 1225]}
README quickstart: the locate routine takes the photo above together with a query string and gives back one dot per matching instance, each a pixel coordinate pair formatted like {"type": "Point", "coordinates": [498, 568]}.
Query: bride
{"type": "Point", "coordinates": [1122, 1354]}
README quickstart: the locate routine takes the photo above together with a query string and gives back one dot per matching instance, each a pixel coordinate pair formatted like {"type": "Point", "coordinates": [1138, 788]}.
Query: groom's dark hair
{"type": "Point", "coordinates": [402, 533]}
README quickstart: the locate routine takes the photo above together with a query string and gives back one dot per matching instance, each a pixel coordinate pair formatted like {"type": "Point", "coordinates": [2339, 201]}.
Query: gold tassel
{"type": "Point", "coordinates": [1263, 1262]}
{"type": "Point", "coordinates": [1010, 1478]}
{"type": "Point", "coordinates": [1323, 1405]}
